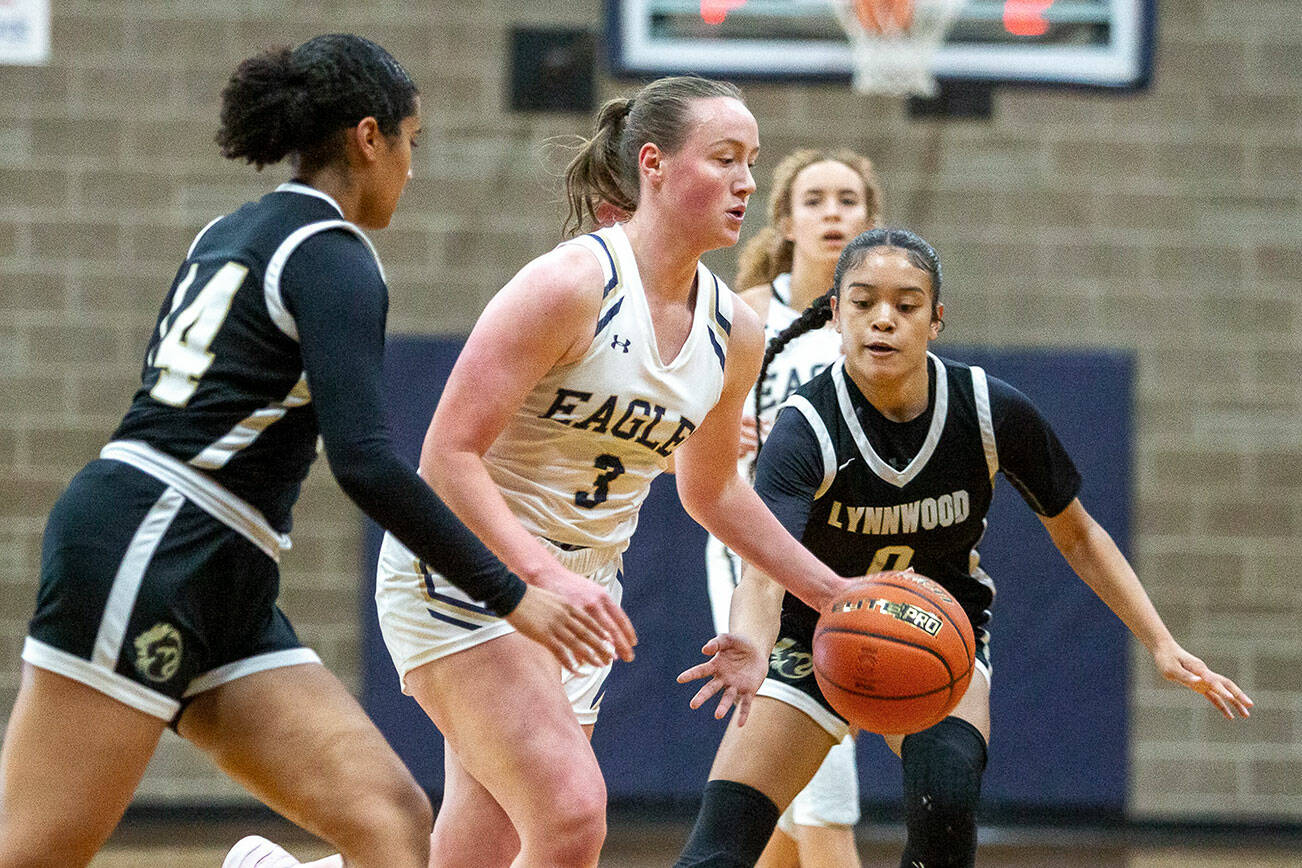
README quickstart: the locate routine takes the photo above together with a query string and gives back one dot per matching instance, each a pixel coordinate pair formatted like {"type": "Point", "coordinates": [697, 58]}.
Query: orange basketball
{"type": "Point", "coordinates": [894, 654]}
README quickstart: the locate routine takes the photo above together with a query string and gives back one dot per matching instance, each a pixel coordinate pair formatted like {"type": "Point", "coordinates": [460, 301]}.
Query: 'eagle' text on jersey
{"type": "Point", "coordinates": [903, 517]}
{"type": "Point", "coordinates": [769, 397]}
{"type": "Point", "coordinates": [636, 423]}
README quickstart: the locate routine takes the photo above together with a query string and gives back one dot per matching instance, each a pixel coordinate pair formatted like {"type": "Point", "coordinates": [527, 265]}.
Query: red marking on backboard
{"type": "Point", "coordinates": [714, 11]}
{"type": "Point", "coordinates": [1026, 17]}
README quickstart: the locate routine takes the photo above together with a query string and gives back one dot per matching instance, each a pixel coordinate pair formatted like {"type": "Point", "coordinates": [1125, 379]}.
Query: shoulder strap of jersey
{"type": "Point", "coordinates": [981, 393]}
{"type": "Point", "coordinates": [195, 243]}
{"type": "Point", "coordinates": [611, 295]}
{"type": "Point", "coordinates": [801, 403]}
{"type": "Point", "coordinates": [719, 322]}
{"type": "Point", "coordinates": [276, 265]}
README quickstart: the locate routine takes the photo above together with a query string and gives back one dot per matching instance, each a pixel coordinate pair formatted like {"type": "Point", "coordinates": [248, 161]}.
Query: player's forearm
{"type": "Point", "coordinates": [1094, 555]}
{"type": "Point", "coordinates": [738, 518]}
{"type": "Point", "coordinates": [462, 480]}
{"type": "Point", "coordinates": [756, 611]}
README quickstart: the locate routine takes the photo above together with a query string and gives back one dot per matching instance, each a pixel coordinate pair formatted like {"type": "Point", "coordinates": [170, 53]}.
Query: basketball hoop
{"type": "Point", "coordinates": [893, 42]}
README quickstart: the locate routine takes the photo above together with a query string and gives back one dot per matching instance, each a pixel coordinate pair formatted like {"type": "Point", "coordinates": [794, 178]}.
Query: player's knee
{"type": "Point", "coordinates": [393, 816]}
{"type": "Point", "coordinates": [942, 787]}
{"type": "Point", "coordinates": [577, 828]}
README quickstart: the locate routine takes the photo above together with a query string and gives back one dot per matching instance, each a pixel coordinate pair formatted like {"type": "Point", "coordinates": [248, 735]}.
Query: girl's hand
{"type": "Point", "coordinates": [576, 620]}
{"type": "Point", "coordinates": [735, 667]}
{"type": "Point", "coordinates": [749, 437]}
{"type": "Point", "coordinates": [1178, 665]}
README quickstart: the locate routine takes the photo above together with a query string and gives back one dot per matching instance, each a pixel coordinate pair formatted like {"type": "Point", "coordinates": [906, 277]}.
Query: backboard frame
{"type": "Point", "coordinates": [637, 48]}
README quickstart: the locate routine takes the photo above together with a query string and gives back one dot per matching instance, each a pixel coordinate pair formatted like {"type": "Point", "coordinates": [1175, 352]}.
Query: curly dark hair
{"type": "Point", "coordinates": [296, 101]}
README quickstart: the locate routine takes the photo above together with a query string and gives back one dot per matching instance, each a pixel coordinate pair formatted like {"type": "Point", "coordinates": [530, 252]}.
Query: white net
{"type": "Point", "coordinates": [896, 61]}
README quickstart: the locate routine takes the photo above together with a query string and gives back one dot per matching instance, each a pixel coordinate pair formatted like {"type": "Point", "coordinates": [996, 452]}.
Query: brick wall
{"type": "Point", "coordinates": [1167, 224]}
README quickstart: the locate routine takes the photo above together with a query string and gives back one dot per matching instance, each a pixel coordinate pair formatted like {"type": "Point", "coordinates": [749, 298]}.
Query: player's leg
{"type": "Point", "coordinates": [56, 812]}
{"type": "Point", "coordinates": [298, 740]}
{"type": "Point", "coordinates": [467, 810]}
{"type": "Point", "coordinates": [757, 771]}
{"type": "Point", "coordinates": [504, 715]}
{"type": "Point", "coordinates": [780, 851]}
{"type": "Point", "coordinates": [942, 781]}
{"type": "Point", "coordinates": [827, 846]}
{"type": "Point", "coordinates": [102, 674]}
{"type": "Point", "coordinates": [824, 813]}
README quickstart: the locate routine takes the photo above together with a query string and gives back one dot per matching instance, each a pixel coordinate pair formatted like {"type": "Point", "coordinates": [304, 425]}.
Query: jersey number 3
{"type": "Point", "coordinates": [182, 355]}
{"type": "Point", "coordinates": [609, 467]}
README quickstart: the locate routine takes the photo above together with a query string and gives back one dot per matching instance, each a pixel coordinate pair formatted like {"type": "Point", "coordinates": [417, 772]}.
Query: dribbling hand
{"type": "Point", "coordinates": [1178, 665]}
{"type": "Point", "coordinates": [735, 667]}
{"type": "Point", "coordinates": [576, 620]}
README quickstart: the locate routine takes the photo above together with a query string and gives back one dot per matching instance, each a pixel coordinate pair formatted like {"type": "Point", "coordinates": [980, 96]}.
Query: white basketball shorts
{"type": "Point", "coordinates": [424, 618]}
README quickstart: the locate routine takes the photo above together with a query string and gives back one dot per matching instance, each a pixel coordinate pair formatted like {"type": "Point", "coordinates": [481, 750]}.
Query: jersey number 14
{"type": "Point", "coordinates": [182, 355]}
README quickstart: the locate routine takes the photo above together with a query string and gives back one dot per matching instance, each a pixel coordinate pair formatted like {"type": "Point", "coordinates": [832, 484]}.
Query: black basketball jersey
{"type": "Point", "coordinates": [223, 387]}
{"type": "Point", "coordinates": [866, 494]}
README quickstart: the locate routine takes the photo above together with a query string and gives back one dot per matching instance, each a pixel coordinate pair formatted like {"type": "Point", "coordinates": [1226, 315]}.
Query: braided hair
{"type": "Point", "coordinates": [919, 253]}
{"type": "Point", "coordinates": [815, 316]}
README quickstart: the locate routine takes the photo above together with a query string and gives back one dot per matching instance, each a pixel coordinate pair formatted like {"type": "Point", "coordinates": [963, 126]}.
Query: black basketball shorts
{"type": "Point", "coordinates": [148, 598]}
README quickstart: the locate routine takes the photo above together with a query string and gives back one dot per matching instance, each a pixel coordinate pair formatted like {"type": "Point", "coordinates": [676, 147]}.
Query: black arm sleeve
{"type": "Point", "coordinates": [333, 288]}
{"type": "Point", "coordinates": [789, 470]}
{"type": "Point", "coordinates": [1030, 455]}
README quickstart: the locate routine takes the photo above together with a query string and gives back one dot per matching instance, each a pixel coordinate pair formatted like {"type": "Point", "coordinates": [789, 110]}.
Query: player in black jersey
{"type": "Point", "coordinates": [157, 601]}
{"type": "Point", "coordinates": [886, 460]}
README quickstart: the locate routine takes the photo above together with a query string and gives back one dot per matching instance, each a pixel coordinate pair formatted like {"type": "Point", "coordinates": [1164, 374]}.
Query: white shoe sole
{"type": "Point", "coordinates": [257, 852]}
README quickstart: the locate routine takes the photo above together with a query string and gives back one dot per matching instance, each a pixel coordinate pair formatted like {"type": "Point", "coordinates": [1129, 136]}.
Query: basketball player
{"type": "Point", "coordinates": [157, 602]}
{"type": "Point", "coordinates": [593, 367]}
{"type": "Point", "coordinates": [819, 201]}
{"type": "Point", "coordinates": [893, 431]}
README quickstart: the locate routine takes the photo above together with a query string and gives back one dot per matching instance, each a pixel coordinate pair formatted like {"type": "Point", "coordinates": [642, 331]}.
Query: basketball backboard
{"type": "Point", "coordinates": [1087, 43]}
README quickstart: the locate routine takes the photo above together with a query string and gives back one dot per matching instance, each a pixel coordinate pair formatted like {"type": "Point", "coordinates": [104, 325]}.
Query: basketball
{"type": "Point", "coordinates": [894, 654]}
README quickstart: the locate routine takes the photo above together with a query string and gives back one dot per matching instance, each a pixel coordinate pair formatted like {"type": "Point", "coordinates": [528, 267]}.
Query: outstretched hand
{"type": "Point", "coordinates": [1178, 665]}
{"type": "Point", "coordinates": [576, 620]}
{"type": "Point", "coordinates": [735, 667]}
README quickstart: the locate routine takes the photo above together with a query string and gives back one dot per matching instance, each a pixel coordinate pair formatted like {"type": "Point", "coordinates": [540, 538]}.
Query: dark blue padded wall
{"type": "Point", "coordinates": [1059, 656]}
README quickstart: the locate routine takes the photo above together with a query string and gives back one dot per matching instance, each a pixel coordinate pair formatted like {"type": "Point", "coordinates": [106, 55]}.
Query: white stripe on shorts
{"type": "Point", "coordinates": [202, 491]}
{"type": "Point", "coordinates": [106, 681]}
{"type": "Point", "coordinates": [131, 572]}
{"type": "Point", "coordinates": [249, 665]}
{"type": "Point", "coordinates": [783, 692]}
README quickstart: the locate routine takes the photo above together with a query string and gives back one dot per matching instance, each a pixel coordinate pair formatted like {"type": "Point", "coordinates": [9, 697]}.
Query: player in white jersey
{"type": "Point", "coordinates": [592, 366]}
{"type": "Point", "coordinates": [575, 460]}
{"type": "Point", "coordinates": [819, 201]}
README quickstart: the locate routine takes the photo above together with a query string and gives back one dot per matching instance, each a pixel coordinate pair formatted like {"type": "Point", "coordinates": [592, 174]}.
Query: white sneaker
{"type": "Point", "coordinates": [257, 852]}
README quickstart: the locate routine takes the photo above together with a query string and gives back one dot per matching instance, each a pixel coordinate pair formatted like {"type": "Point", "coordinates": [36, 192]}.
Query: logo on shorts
{"type": "Point", "coordinates": [790, 663]}
{"type": "Point", "coordinates": [158, 652]}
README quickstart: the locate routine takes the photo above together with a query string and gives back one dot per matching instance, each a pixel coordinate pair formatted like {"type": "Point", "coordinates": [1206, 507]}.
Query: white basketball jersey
{"type": "Point", "coordinates": [799, 361]}
{"type": "Point", "coordinates": [577, 459]}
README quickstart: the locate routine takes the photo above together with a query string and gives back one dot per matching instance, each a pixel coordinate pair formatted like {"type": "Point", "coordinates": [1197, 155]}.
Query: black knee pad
{"type": "Point", "coordinates": [734, 824]}
{"type": "Point", "coordinates": [942, 785]}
